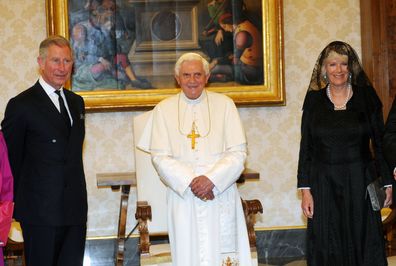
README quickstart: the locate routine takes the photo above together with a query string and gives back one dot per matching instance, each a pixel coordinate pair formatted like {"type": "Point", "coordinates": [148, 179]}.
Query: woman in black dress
{"type": "Point", "coordinates": [342, 115]}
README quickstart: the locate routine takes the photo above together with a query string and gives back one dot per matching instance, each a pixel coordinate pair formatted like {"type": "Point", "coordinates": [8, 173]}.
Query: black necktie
{"type": "Point", "coordinates": [63, 110]}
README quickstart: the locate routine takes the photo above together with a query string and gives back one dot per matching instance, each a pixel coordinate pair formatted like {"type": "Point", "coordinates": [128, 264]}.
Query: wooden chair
{"type": "Point", "coordinates": [388, 226]}
{"type": "Point", "coordinates": [119, 181]}
{"type": "Point", "coordinates": [151, 206]}
{"type": "Point", "coordinates": [13, 251]}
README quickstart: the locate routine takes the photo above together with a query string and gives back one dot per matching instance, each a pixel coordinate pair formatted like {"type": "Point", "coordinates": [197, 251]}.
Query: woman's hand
{"type": "Point", "coordinates": [388, 199]}
{"type": "Point", "coordinates": [307, 203]}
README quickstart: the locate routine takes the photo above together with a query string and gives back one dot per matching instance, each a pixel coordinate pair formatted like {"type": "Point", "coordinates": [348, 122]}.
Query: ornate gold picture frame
{"type": "Point", "coordinates": [270, 92]}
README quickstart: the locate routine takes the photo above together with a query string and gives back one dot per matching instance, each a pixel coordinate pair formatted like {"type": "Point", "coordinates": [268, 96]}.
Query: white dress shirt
{"type": "Point", "coordinates": [54, 97]}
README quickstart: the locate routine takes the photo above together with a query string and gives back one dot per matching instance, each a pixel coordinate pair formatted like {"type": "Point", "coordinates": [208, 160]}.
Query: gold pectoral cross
{"type": "Point", "coordinates": [193, 135]}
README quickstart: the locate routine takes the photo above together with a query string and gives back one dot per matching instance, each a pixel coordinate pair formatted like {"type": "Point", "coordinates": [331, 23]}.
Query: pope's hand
{"type": "Point", "coordinates": [208, 196]}
{"type": "Point", "coordinates": [202, 187]}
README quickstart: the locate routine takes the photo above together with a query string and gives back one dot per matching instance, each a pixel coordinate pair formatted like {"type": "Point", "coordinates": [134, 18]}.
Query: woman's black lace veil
{"type": "Point", "coordinates": [366, 98]}
{"type": "Point", "coordinates": [358, 78]}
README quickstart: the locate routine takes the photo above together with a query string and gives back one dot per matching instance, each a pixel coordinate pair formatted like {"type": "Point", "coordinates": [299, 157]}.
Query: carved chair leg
{"type": "Point", "coordinates": [14, 252]}
{"type": "Point", "coordinates": [250, 209]}
{"type": "Point", "coordinates": [389, 239]}
{"type": "Point", "coordinates": [120, 247]}
{"type": "Point", "coordinates": [143, 214]}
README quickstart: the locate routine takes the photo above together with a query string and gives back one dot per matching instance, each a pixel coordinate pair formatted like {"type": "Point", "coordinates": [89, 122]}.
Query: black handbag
{"type": "Point", "coordinates": [377, 194]}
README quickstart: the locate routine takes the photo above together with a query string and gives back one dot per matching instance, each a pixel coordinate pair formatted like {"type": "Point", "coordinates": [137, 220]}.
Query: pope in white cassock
{"type": "Point", "coordinates": [198, 148]}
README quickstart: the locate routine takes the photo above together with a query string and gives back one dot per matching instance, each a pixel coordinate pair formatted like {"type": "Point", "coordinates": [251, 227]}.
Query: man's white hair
{"type": "Point", "coordinates": [191, 57]}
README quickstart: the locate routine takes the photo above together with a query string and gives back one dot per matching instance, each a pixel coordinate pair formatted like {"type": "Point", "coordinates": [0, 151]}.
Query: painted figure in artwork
{"type": "Point", "coordinates": [101, 43]}
{"type": "Point", "coordinates": [245, 64]}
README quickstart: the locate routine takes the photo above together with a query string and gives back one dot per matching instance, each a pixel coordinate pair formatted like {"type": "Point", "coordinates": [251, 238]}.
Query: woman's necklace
{"type": "Point", "coordinates": [348, 97]}
{"type": "Point", "coordinates": [194, 134]}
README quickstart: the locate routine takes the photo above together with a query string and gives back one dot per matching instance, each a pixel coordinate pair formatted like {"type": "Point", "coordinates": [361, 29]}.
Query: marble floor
{"type": "Point", "coordinates": [101, 253]}
{"type": "Point", "coordinates": [274, 248]}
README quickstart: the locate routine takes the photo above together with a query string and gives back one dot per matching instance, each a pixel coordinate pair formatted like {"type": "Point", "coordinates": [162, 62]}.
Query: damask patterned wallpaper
{"type": "Point", "coordinates": [273, 132]}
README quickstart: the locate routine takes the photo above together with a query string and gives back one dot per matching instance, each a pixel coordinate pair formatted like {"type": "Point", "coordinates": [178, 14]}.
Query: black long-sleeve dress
{"type": "Point", "coordinates": [336, 163]}
{"type": "Point", "coordinates": [389, 143]}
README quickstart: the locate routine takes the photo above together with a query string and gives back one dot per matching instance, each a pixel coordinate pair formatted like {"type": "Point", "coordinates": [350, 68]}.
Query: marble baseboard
{"type": "Point", "coordinates": [274, 247]}
{"type": "Point", "coordinates": [279, 247]}
{"type": "Point", "coordinates": [100, 252]}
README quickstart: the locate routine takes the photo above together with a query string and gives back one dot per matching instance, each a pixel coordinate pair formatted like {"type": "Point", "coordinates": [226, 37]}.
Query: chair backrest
{"type": "Point", "coordinates": [149, 186]}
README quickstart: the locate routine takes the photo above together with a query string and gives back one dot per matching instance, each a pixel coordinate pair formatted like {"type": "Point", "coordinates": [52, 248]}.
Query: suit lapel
{"type": "Point", "coordinates": [73, 109]}
{"type": "Point", "coordinates": [77, 130]}
{"type": "Point", "coordinates": [48, 109]}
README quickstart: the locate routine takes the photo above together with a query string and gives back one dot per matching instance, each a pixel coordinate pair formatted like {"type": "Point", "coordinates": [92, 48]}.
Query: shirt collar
{"type": "Point", "coordinates": [194, 101]}
{"type": "Point", "coordinates": [48, 88]}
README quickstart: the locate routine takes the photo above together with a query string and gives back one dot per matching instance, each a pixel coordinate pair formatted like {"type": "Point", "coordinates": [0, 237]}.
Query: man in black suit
{"type": "Point", "coordinates": [389, 144]}
{"type": "Point", "coordinates": [44, 134]}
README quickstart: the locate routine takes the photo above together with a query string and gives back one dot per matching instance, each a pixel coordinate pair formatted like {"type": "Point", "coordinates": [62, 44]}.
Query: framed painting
{"type": "Point", "coordinates": [125, 50]}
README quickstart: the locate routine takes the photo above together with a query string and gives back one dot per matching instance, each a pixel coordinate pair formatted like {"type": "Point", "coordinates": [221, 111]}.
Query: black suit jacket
{"type": "Point", "coordinates": [45, 159]}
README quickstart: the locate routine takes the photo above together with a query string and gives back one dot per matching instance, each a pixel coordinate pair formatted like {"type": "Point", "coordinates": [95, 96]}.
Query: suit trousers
{"type": "Point", "coordinates": [54, 245]}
